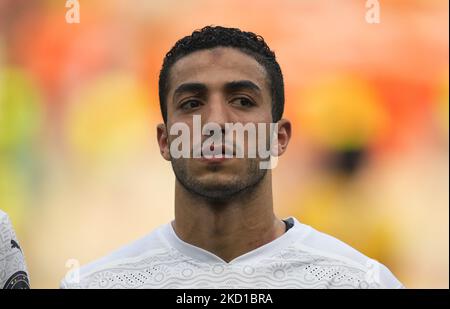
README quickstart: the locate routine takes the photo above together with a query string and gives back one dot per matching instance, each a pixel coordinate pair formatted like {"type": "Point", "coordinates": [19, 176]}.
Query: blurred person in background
{"type": "Point", "coordinates": [225, 233]}
{"type": "Point", "coordinates": [13, 270]}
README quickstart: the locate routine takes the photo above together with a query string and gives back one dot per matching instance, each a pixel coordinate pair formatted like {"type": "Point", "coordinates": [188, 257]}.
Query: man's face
{"type": "Point", "coordinates": [222, 85]}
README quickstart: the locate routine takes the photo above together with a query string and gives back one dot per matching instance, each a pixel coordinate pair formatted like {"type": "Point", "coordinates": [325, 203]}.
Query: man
{"type": "Point", "coordinates": [13, 271]}
{"type": "Point", "coordinates": [225, 233]}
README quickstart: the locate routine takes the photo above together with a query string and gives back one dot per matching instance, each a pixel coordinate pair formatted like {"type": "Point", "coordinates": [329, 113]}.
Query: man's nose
{"type": "Point", "coordinates": [217, 111]}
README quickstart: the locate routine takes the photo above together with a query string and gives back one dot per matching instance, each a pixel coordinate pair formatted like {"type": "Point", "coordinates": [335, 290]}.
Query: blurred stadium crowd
{"type": "Point", "coordinates": [81, 174]}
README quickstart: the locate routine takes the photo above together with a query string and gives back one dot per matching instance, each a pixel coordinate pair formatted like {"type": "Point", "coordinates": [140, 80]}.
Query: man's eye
{"type": "Point", "coordinates": [191, 104]}
{"type": "Point", "coordinates": [244, 102]}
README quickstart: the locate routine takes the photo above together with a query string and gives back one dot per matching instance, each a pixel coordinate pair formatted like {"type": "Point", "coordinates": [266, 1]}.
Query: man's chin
{"type": "Point", "coordinates": [216, 182]}
{"type": "Point", "coordinates": [216, 192]}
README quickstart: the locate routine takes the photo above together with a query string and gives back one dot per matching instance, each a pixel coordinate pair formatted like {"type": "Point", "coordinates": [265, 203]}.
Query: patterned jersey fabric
{"type": "Point", "coordinates": [13, 271]}
{"type": "Point", "coordinates": [300, 258]}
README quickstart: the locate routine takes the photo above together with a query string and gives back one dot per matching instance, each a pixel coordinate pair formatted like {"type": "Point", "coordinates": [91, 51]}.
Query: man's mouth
{"type": "Point", "coordinates": [217, 154]}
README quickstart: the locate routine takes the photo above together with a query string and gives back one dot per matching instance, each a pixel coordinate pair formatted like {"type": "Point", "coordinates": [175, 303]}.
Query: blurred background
{"type": "Point", "coordinates": [80, 170]}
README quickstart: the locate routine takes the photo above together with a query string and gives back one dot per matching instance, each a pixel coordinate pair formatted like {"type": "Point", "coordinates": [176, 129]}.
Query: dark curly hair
{"type": "Point", "coordinates": [216, 36]}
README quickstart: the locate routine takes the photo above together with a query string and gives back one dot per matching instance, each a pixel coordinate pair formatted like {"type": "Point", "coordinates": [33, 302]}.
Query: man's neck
{"type": "Point", "coordinates": [230, 228]}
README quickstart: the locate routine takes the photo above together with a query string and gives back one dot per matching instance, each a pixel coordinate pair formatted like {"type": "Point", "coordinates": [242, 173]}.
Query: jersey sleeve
{"type": "Point", "coordinates": [387, 280]}
{"type": "Point", "coordinates": [13, 270]}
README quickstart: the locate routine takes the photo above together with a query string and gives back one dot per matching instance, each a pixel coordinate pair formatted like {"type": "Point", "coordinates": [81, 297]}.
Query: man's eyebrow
{"type": "Point", "coordinates": [241, 85]}
{"type": "Point", "coordinates": [228, 87]}
{"type": "Point", "coordinates": [190, 87]}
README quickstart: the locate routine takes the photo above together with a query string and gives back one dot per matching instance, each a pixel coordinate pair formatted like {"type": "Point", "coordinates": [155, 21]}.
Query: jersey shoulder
{"type": "Point", "coordinates": [13, 269]}
{"type": "Point", "coordinates": [131, 255]}
{"type": "Point", "coordinates": [332, 251]}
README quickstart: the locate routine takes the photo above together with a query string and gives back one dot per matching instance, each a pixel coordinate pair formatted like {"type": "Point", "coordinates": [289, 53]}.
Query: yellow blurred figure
{"type": "Point", "coordinates": [109, 120]}
{"type": "Point", "coordinates": [340, 208]}
{"type": "Point", "coordinates": [341, 112]}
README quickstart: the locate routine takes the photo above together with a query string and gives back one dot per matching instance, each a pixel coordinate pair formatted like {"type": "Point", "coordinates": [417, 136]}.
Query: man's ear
{"type": "Point", "coordinates": [163, 141]}
{"type": "Point", "coordinates": [284, 135]}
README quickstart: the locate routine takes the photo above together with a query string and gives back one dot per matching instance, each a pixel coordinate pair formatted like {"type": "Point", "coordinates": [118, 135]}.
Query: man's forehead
{"type": "Point", "coordinates": [221, 64]}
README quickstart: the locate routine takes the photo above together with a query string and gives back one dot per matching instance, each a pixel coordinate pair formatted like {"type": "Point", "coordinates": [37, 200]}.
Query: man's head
{"type": "Point", "coordinates": [225, 76]}
{"type": "Point", "coordinates": [211, 37]}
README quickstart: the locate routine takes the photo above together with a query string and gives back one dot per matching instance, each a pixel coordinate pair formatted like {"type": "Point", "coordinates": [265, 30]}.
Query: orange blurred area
{"type": "Point", "coordinates": [81, 173]}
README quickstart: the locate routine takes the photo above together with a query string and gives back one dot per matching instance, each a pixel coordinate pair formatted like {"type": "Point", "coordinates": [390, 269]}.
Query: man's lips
{"type": "Point", "coordinates": [213, 159]}
{"type": "Point", "coordinates": [217, 155]}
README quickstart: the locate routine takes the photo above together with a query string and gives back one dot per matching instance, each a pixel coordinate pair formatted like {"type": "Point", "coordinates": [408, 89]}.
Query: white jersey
{"type": "Point", "coordinates": [300, 258]}
{"type": "Point", "coordinates": [13, 271]}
